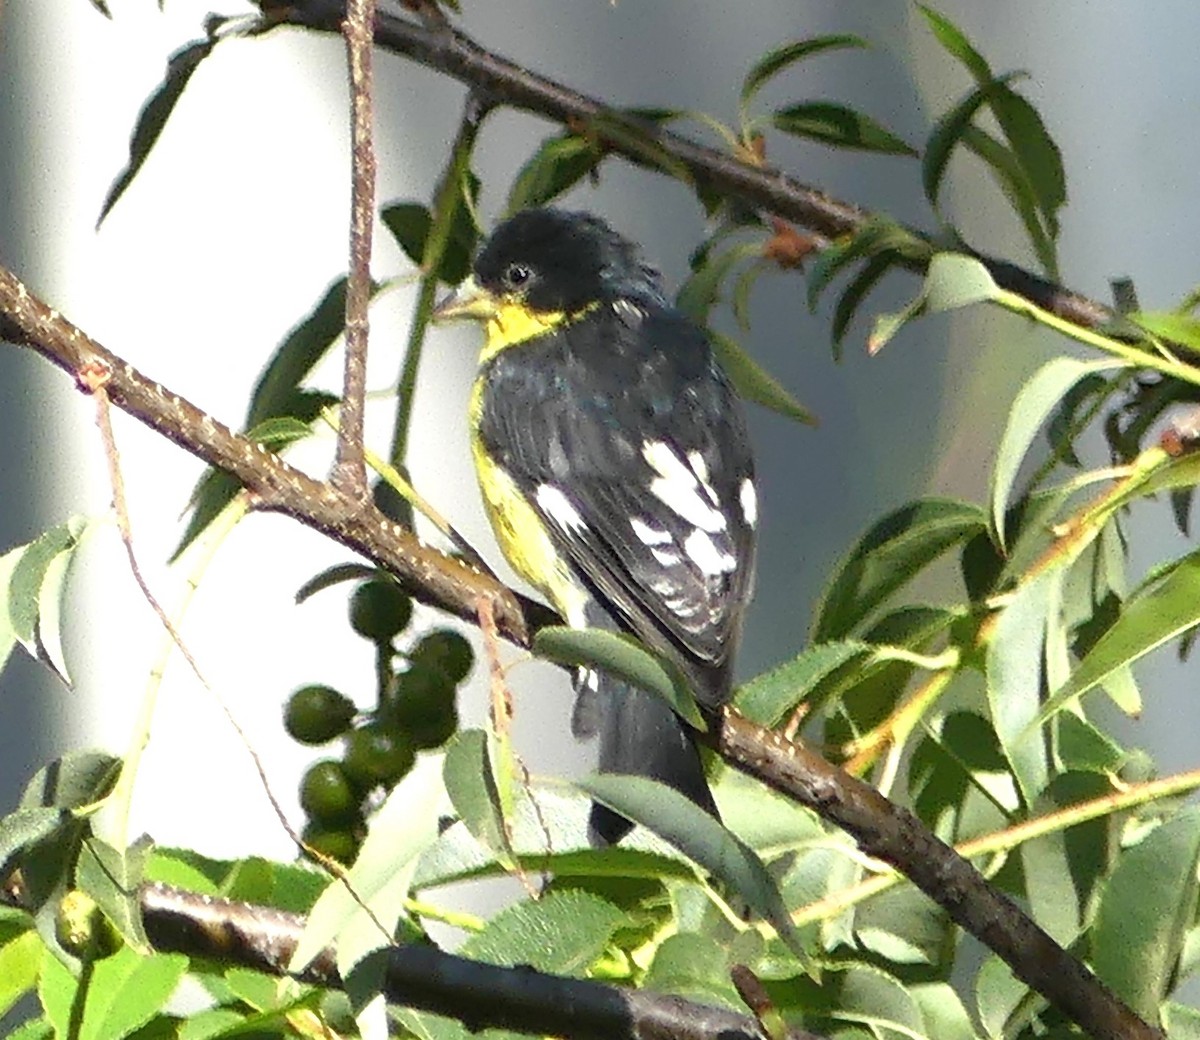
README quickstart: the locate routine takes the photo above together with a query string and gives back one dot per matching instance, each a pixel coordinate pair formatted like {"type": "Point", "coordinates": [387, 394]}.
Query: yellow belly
{"type": "Point", "coordinates": [520, 533]}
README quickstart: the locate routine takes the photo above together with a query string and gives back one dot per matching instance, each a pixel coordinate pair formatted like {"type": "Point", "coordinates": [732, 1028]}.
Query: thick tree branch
{"type": "Point", "coordinates": [481, 996]}
{"type": "Point", "coordinates": [429, 575]}
{"type": "Point", "coordinates": [503, 82]}
{"type": "Point", "coordinates": [891, 833]}
{"type": "Point", "coordinates": [883, 829]}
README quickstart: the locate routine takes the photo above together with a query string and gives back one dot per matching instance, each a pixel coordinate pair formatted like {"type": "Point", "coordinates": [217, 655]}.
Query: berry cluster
{"type": "Point", "coordinates": [415, 710]}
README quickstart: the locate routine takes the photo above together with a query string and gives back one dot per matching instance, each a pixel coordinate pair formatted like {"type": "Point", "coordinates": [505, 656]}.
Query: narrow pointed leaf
{"type": "Point", "coordinates": [774, 62]}
{"type": "Point", "coordinates": [471, 785]}
{"type": "Point", "coordinates": [889, 555]}
{"type": "Point", "coordinates": [1149, 619]}
{"type": "Point", "coordinates": [767, 698]}
{"type": "Point", "coordinates": [954, 40]}
{"type": "Point", "coordinates": [1039, 396]}
{"type": "Point", "coordinates": [154, 115]}
{"type": "Point", "coordinates": [755, 384]}
{"type": "Point", "coordinates": [955, 281]}
{"type": "Point", "coordinates": [839, 126]}
{"type": "Point", "coordinates": [702, 839]}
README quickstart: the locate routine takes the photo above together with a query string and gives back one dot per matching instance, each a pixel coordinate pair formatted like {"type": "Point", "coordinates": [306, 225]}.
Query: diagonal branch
{"type": "Point", "coordinates": [882, 828]}
{"type": "Point", "coordinates": [504, 82]}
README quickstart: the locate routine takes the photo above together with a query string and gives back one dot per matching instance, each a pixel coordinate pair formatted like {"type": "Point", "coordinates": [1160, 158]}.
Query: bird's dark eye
{"type": "Point", "coordinates": [516, 276]}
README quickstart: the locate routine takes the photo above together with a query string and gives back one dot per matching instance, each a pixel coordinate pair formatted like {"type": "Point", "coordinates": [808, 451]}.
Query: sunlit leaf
{"type": "Point", "coordinates": [1145, 911]}
{"type": "Point", "coordinates": [563, 932]}
{"type": "Point", "coordinates": [471, 785]}
{"type": "Point", "coordinates": [1037, 398]}
{"type": "Point", "coordinates": [1150, 618]}
{"type": "Point", "coordinates": [955, 281]}
{"type": "Point", "coordinates": [1172, 326]}
{"type": "Point", "coordinates": [118, 995]}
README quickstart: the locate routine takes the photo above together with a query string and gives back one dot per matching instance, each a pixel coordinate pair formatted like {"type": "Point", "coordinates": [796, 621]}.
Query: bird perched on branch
{"type": "Point", "coordinates": [617, 474]}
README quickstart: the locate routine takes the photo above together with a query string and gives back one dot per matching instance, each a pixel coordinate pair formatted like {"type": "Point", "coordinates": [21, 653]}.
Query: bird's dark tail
{"type": "Point", "coordinates": [639, 735]}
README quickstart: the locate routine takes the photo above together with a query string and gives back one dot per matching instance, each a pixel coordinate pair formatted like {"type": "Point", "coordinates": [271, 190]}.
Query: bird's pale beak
{"type": "Point", "coordinates": [470, 301]}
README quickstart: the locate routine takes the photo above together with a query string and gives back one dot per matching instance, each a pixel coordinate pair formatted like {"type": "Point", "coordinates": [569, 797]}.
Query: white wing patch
{"type": "Point", "coordinates": [648, 535]}
{"type": "Point", "coordinates": [558, 507]}
{"type": "Point", "coordinates": [678, 487]}
{"type": "Point", "coordinates": [705, 554]}
{"type": "Point", "coordinates": [749, 500]}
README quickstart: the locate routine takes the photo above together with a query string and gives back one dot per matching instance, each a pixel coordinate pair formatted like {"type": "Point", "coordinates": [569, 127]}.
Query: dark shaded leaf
{"type": "Point", "coordinates": [887, 557]}
{"type": "Point", "coordinates": [946, 135]}
{"type": "Point", "coordinates": [754, 383]}
{"type": "Point", "coordinates": [853, 295]}
{"type": "Point", "coordinates": [839, 126]}
{"type": "Point", "coordinates": [702, 839]}
{"type": "Point", "coordinates": [622, 656]}
{"type": "Point", "coordinates": [952, 38]}
{"type": "Point", "coordinates": [700, 292]}
{"type": "Point", "coordinates": [335, 575]}
{"type": "Point", "coordinates": [154, 115]}
{"type": "Point", "coordinates": [774, 62]}
{"type": "Point", "coordinates": [558, 165]}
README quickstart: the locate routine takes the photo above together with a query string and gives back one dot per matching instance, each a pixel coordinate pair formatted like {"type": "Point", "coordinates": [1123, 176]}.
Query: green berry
{"type": "Point", "coordinates": [447, 650]}
{"type": "Point", "coordinates": [335, 842]}
{"type": "Point", "coordinates": [379, 610]}
{"type": "Point", "coordinates": [317, 714]}
{"type": "Point", "coordinates": [435, 729]}
{"type": "Point", "coordinates": [377, 754]}
{"type": "Point", "coordinates": [417, 694]}
{"type": "Point", "coordinates": [326, 794]}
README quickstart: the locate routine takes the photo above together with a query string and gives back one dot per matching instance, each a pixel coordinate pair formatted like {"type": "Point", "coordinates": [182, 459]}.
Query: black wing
{"type": "Point", "coordinates": [629, 442]}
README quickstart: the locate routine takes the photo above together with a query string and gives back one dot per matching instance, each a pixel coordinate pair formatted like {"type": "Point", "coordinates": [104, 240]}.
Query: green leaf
{"type": "Point", "coordinates": [470, 782]}
{"type": "Point", "coordinates": [563, 932]}
{"type": "Point", "coordinates": [1039, 396]}
{"type": "Point", "coordinates": [1145, 911]}
{"type": "Point", "coordinates": [279, 432]}
{"type": "Point", "coordinates": [20, 959]}
{"type": "Point", "coordinates": [112, 879]}
{"type": "Point", "coordinates": [774, 62]}
{"type": "Point", "coordinates": [700, 292]}
{"type": "Point", "coordinates": [559, 164]}
{"type": "Point", "coordinates": [154, 115]}
{"type": "Point", "coordinates": [1034, 149]}
{"type": "Point", "coordinates": [859, 288]}
{"type": "Point", "coordinates": [403, 828]}
{"type": "Point", "coordinates": [878, 237]}
{"type": "Point", "coordinates": [885, 326]}
{"type": "Point", "coordinates": [277, 394]}
{"type": "Point", "coordinates": [621, 656]}
{"type": "Point", "coordinates": [888, 556]}
{"type": "Point", "coordinates": [1150, 618]}
{"type": "Point", "coordinates": [754, 383]}
{"type": "Point", "coordinates": [1172, 326]}
{"type": "Point", "coordinates": [411, 222]}
{"type": "Point", "coordinates": [693, 966]}
{"type": "Point", "coordinates": [21, 829]}
{"type": "Point", "coordinates": [1016, 680]}
{"type": "Point", "coordinates": [943, 1011]}
{"type": "Point", "coordinates": [702, 839]}
{"type": "Point", "coordinates": [839, 126]}
{"type": "Point", "coordinates": [952, 38]}
{"type": "Point", "coordinates": [955, 281]}
{"type": "Point", "coordinates": [335, 575]}
{"type": "Point", "coordinates": [119, 994]}
{"type": "Point", "coordinates": [768, 698]}
{"type": "Point", "coordinates": [37, 574]}
{"type": "Point", "coordinates": [1018, 189]}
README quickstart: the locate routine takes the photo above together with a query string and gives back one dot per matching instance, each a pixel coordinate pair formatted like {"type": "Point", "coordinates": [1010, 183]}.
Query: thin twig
{"type": "Point", "coordinates": [349, 472]}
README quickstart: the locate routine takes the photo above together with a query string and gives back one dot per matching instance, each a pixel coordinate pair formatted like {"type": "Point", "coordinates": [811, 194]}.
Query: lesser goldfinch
{"type": "Point", "coordinates": [617, 473]}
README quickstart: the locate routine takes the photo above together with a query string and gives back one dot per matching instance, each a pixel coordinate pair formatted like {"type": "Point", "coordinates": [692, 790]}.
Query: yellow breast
{"type": "Point", "coordinates": [519, 531]}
